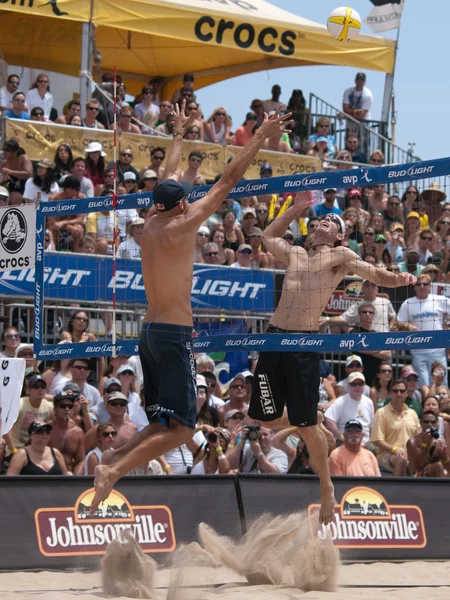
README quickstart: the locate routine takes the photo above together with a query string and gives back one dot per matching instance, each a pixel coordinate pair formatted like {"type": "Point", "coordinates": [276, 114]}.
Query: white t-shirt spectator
{"type": "Point", "coordinates": [33, 99]}
{"type": "Point", "coordinates": [362, 99]}
{"type": "Point", "coordinates": [345, 408]}
{"type": "Point", "coordinates": [5, 96]}
{"type": "Point", "coordinates": [129, 249]}
{"type": "Point", "coordinates": [384, 312]}
{"type": "Point", "coordinates": [140, 110]}
{"type": "Point", "coordinates": [181, 458]}
{"type": "Point", "coordinates": [344, 385]}
{"type": "Point", "coordinates": [426, 315]}
{"type": "Point", "coordinates": [31, 191]}
{"type": "Point", "coordinates": [250, 464]}
{"type": "Point", "coordinates": [135, 362]}
{"type": "Point", "coordinates": [125, 215]}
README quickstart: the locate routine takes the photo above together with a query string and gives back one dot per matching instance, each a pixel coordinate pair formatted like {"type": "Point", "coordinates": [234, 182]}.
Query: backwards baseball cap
{"type": "Point", "coordinates": [265, 167]}
{"type": "Point", "coordinates": [39, 425]}
{"type": "Point", "coordinates": [70, 183]}
{"type": "Point", "coordinates": [255, 232]}
{"type": "Point", "coordinates": [169, 194]}
{"type": "Point", "coordinates": [356, 377]}
{"type": "Point", "coordinates": [353, 358]}
{"type": "Point", "coordinates": [232, 413]}
{"type": "Point", "coordinates": [353, 423]}
{"type": "Point", "coordinates": [201, 381]}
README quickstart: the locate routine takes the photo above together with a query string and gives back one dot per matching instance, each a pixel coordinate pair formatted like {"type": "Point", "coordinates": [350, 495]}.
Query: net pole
{"type": "Point", "coordinates": [114, 205]}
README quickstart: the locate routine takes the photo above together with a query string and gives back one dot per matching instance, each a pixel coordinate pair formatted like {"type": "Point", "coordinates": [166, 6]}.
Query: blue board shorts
{"type": "Point", "coordinates": [170, 373]}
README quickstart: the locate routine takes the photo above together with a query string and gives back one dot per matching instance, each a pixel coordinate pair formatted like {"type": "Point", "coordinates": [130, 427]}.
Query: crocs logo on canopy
{"type": "Point", "coordinates": [244, 35]}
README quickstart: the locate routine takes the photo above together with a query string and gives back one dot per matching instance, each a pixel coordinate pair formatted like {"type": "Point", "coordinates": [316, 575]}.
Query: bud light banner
{"type": "Point", "coordinates": [86, 278]}
{"type": "Point", "coordinates": [17, 237]}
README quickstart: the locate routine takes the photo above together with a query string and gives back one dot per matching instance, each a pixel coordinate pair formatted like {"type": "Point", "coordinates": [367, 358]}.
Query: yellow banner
{"type": "Point", "coordinates": [41, 140]}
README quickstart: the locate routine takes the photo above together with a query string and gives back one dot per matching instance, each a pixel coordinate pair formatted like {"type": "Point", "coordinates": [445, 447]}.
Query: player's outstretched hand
{"type": "Point", "coordinates": [275, 124]}
{"type": "Point", "coordinates": [405, 279]}
{"type": "Point", "coordinates": [303, 200]}
{"type": "Point", "coordinates": [182, 122]}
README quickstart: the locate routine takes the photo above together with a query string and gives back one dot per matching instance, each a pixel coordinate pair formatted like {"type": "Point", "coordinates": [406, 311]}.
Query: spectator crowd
{"type": "Point", "coordinates": [378, 420]}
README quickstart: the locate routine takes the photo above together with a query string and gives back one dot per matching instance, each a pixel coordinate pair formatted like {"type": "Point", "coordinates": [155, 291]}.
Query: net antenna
{"type": "Point", "coordinates": [114, 205]}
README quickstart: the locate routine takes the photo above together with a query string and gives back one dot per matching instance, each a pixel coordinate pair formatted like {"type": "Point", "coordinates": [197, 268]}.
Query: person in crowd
{"type": "Point", "coordinates": [32, 407]}
{"type": "Point", "coordinates": [413, 399]}
{"type": "Point", "coordinates": [188, 82]}
{"type": "Point", "coordinates": [248, 221]}
{"type": "Point", "coordinates": [124, 123]}
{"type": "Point", "coordinates": [131, 246]}
{"type": "Point", "coordinates": [26, 351]}
{"type": "Point", "coordinates": [352, 459]}
{"type": "Point", "coordinates": [376, 158]}
{"type": "Point", "coordinates": [347, 239]}
{"type": "Point", "coordinates": [193, 134]}
{"type": "Point", "coordinates": [311, 226]}
{"type": "Point", "coordinates": [354, 202]}
{"type": "Point", "coordinates": [259, 456]}
{"type": "Point", "coordinates": [106, 437]}
{"type": "Point", "coordinates": [381, 388]}
{"type": "Point", "coordinates": [393, 426]}
{"type": "Point", "coordinates": [383, 258]}
{"type": "Point", "coordinates": [63, 160]}
{"type": "Point", "coordinates": [101, 226]}
{"type": "Point", "coordinates": [412, 229]}
{"type": "Point", "coordinates": [276, 143]}
{"type": "Point", "coordinates": [424, 312]}
{"type": "Point", "coordinates": [226, 255]}
{"type": "Point", "coordinates": [210, 253]}
{"type": "Point", "coordinates": [99, 412]}
{"type": "Point", "coordinates": [39, 95]}
{"type": "Point", "coordinates": [67, 231]}
{"type": "Point", "coordinates": [75, 121]}
{"type": "Point", "coordinates": [323, 127]}
{"type": "Point", "coordinates": [16, 167]}
{"type": "Point", "coordinates": [201, 239]}
{"type": "Point", "coordinates": [54, 373]}
{"type": "Point", "coordinates": [126, 157]}
{"type": "Point", "coordinates": [206, 414]}
{"type": "Point", "coordinates": [148, 181]}
{"type": "Point", "coordinates": [78, 373]}
{"type": "Point", "coordinates": [232, 231]}
{"type": "Point", "coordinates": [43, 182]}
{"type": "Point", "coordinates": [353, 405]}
{"type": "Point", "coordinates": [352, 364]}
{"type": "Point", "coordinates": [246, 131]}
{"type": "Point", "coordinates": [396, 246]}
{"type": "Point", "coordinates": [37, 458]}
{"type": "Point", "coordinates": [211, 384]}
{"type": "Point", "coordinates": [357, 101]}
{"type": "Point", "coordinates": [411, 263]}
{"type": "Point", "coordinates": [393, 212]}
{"type": "Point", "coordinates": [77, 329]}
{"type": "Point", "coordinates": [37, 114]}
{"type": "Point", "coordinates": [257, 107]}
{"type": "Point", "coordinates": [110, 372]}
{"type": "Point", "coordinates": [441, 228]}
{"type": "Point", "coordinates": [78, 170]}
{"type": "Point", "coordinates": [352, 146]}
{"type": "Point", "coordinates": [377, 199]}
{"type": "Point", "coordinates": [157, 156]}
{"type": "Point", "coordinates": [432, 404]}
{"type": "Point", "coordinates": [165, 108]}
{"type": "Point", "coordinates": [127, 378]}
{"type": "Point", "coordinates": [238, 394]}
{"type": "Point", "coordinates": [195, 160]}
{"type": "Point", "coordinates": [260, 259]}
{"type": "Point", "coordinates": [432, 271]}
{"type": "Point", "coordinates": [274, 103]}
{"type": "Point", "coordinates": [379, 226]}
{"type": "Point", "coordinates": [428, 454]}
{"type": "Point", "coordinates": [320, 150]}
{"type": "Point", "coordinates": [95, 163]}
{"type": "Point", "coordinates": [244, 257]}
{"type": "Point", "coordinates": [147, 103]}
{"type": "Point", "coordinates": [17, 111]}
{"type": "Point", "coordinates": [328, 206]}
{"type": "Point", "coordinates": [410, 198]}
{"type": "Point", "coordinates": [217, 126]}
{"type": "Point", "coordinates": [92, 113]}
{"type": "Point", "coordinates": [66, 436]}
{"type": "Point", "coordinates": [215, 461]}
{"type": "Point", "coordinates": [166, 129]}
{"type": "Point", "coordinates": [438, 377]}
{"type": "Point", "coordinates": [80, 411]}
{"type": "Point", "coordinates": [10, 342]}
{"type": "Point", "coordinates": [71, 109]}
{"type": "Point", "coordinates": [8, 90]}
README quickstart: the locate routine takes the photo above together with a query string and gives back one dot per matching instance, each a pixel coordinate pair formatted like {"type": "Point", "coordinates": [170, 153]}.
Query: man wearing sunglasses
{"type": "Point", "coordinates": [425, 312]}
{"type": "Point", "coordinates": [79, 372]}
{"type": "Point", "coordinates": [427, 454]}
{"type": "Point", "coordinates": [7, 92]}
{"type": "Point", "coordinates": [66, 436]}
{"type": "Point", "coordinates": [10, 341]}
{"type": "Point", "coordinates": [165, 346]}
{"type": "Point", "coordinates": [293, 378]}
{"type": "Point", "coordinates": [351, 459]}
{"type": "Point", "coordinates": [244, 256]}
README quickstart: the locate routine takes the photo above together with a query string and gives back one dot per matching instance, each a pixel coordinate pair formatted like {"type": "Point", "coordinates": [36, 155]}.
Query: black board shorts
{"type": "Point", "coordinates": [290, 379]}
{"type": "Point", "coordinates": [170, 373]}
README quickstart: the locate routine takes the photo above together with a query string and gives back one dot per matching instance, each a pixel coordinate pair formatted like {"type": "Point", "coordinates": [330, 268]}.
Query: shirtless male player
{"type": "Point", "coordinates": [292, 378]}
{"type": "Point", "coordinates": [165, 346]}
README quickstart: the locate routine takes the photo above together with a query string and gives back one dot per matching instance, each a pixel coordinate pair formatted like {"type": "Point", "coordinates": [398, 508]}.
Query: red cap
{"type": "Point", "coordinates": [354, 192]}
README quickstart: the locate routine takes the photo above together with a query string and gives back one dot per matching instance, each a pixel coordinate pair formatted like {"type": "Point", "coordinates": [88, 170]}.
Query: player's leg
{"type": "Point", "coordinates": [302, 370]}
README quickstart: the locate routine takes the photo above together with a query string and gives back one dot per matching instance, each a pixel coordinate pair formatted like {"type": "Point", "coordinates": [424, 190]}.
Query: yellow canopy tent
{"type": "Point", "coordinates": [215, 40]}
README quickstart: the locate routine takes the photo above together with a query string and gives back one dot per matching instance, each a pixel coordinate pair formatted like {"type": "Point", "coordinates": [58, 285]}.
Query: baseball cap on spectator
{"type": "Point", "coordinates": [413, 215]}
{"type": "Point", "coordinates": [232, 413]}
{"type": "Point", "coordinates": [34, 380]}
{"type": "Point", "coordinates": [71, 388]}
{"type": "Point", "coordinates": [117, 396]}
{"type": "Point", "coordinates": [408, 370]}
{"type": "Point", "coordinates": [203, 229]}
{"type": "Point", "coordinates": [70, 182]}
{"type": "Point", "coordinates": [397, 227]}
{"type": "Point", "coordinates": [201, 381]}
{"type": "Point", "coordinates": [353, 358]}
{"type": "Point", "coordinates": [265, 167]}
{"type": "Point", "coordinates": [255, 232]}
{"type": "Point", "coordinates": [288, 234]}
{"type": "Point", "coordinates": [353, 423]}
{"type": "Point", "coordinates": [149, 174]}
{"type": "Point", "coordinates": [354, 192]}
{"type": "Point", "coordinates": [133, 223]}
{"type": "Point", "coordinates": [239, 376]}
{"type": "Point", "coordinates": [46, 163]}
{"type": "Point", "coordinates": [321, 138]}
{"type": "Point", "coordinates": [129, 176]}
{"type": "Point", "coordinates": [356, 377]}
{"type": "Point", "coordinates": [64, 395]}
{"type": "Point", "coordinates": [125, 368]}
{"type": "Point", "coordinates": [244, 247]}
{"type": "Point", "coordinates": [248, 211]}
{"type": "Point", "coordinates": [380, 238]}
{"type": "Point", "coordinates": [21, 348]}
{"type": "Point", "coordinates": [39, 425]}
{"type": "Point", "coordinates": [95, 147]}
{"type": "Point", "coordinates": [169, 194]}
{"type": "Point", "coordinates": [110, 382]}
{"type": "Point", "coordinates": [413, 250]}
{"type": "Point", "coordinates": [4, 192]}
{"type": "Point", "coordinates": [330, 189]}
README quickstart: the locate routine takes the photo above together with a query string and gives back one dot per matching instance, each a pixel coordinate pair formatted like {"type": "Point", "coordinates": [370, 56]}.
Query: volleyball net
{"type": "Point", "coordinates": [232, 305]}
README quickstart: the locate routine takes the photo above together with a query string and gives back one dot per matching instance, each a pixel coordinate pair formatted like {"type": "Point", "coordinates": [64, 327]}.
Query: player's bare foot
{"type": "Point", "coordinates": [103, 484]}
{"type": "Point", "coordinates": [327, 504]}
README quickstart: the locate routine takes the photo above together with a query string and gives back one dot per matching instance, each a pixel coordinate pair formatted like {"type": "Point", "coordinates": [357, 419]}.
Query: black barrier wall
{"type": "Point", "coordinates": [44, 523]}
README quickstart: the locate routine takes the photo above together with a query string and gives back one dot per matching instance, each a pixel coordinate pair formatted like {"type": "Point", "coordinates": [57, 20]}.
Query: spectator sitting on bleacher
{"type": "Point", "coordinates": [195, 160]}
{"type": "Point", "coordinates": [201, 239]}
{"type": "Point", "coordinates": [210, 253]}
{"type": "Point", "coordinates": [214, 461]}
{"type": "Point", "coordinates": [411, 263]}
{"type": "Point", "coordinates": [257, 107]}
{"type": "Point", "coordinates": [16, 167]}
{"type": "Point", "coordinates": [328, 206]}
{"type": "Point", "coordinates": [157, 156]}
{"type": "Point", "coordinates": [258, 456]}
{"type": "Point", "coordinates": [148, 181]}
{"type": "Point", "coordinates": [232, 230]}
{"type": "Point", "coordinates": [78, 170]}
{"type": "Point", "coordinates": [68, 230]}
{"type": "Point", "coordinates": [244, 256]}
{"type": "Point", "coordinates": [427, 455]}
{"type": "Point", "coordinates": [8, 90]}
{"type": "Point", "coordinates": [71, 109]}
{"type": "Point", "coordinates": [124, 123]}
{"type": "Point", "coordinates": [147, 103]}
{"type": "Point", "coordinates": [357, 101]}
{"type": "Point", "coordinates": [237, 390]}
{"type": "Point", "coordinates": [26, 351]}
{"type": "Point", "coordinates": [131, 246]}
{"type": "Point", "coordinates": [63, 160]}
{"type": "Point", "coordinates": [165, 108]}
{"type": "Point", "coordinates": [106, 437]}
{"type": "Point", "coordinates": [66, 436]}
{"type": "Point", "coordinates": [351, 459]}
{"type": "Point", "coordinates": [17, 111]}
{"type": "Point", "coordinates": [393, 426]}
{"type": "Point", "coordinates": [217, 126]}
{"type": "Point", "coordinates": [352, 146]}
{"type": "Point", "coordinates": [100, 225]}
{"type": "Point", "coordinates": [413, 398]}
{"type": "Point", "coordinates": [352, 364]}
{"type": "Point", "coordinates": [10, 342]}
{"type": "Point", "coordinates": [32, 407]}
{"type": "Point", "coordinates": [114, 410]}
{"type": "Point", "coordinates": [246, 131]}
{"type": "Point", "coordinates": [393, 212]}
{"type": "Point", "coordinates": [126, 157]}
{"type": "Point", "coordinates": [274, 103]}
{"type": "Point", "coordinates": [260, 259]}
{"type": "Point", "coordinates": [95, 163]}
{"type": "Point", "coordinates": [37, 114]}
{"type": "Point", "coordinates": [92, 113]}
{"type": "Point", "coordinates": [206, 414]}
{"type": "Point", "coordinates": [37, 458]}
{"type": "Point", "coordinates": [323, 130]}
{"type": "Point", "coordinates": [188, 81]}
{"type": "Point", "coordinates": [166, 129]}
{"type": "Point", "coordinates": [78, 373]}
{"type": "Point", "coordinates": [39, 95]}
{"type": "Point", "coordinates": [77, 329]}
{"type": "Point", "coordinates": [99, 412]}
{"type": "Point", "coordinates": [43, 182]}
{"type": "Point", "coordinates": [226, 255]}
{"type": "Point", "coordinates": [211, 389]}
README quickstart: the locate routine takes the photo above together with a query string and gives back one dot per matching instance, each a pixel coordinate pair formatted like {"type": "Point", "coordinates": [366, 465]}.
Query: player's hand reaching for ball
{"type": "Point", "coordinates": [405, 279]}
{"type": "Point", "coordinates": [302, 201]}
{"type": "Point", "coordinates": [275, 124]}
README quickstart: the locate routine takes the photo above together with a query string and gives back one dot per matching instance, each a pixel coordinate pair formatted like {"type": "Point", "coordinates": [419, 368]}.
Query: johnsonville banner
{"type": "Point", "coordinates": [40, 140]}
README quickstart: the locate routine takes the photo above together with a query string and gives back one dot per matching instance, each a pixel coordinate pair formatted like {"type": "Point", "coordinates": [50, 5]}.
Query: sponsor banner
{"type": "Point", "coordinates": [282, 163]}
{"type": "Point", "coordinates": [17, 237]}
{"type": "Point", "coordinates": [290, 183]}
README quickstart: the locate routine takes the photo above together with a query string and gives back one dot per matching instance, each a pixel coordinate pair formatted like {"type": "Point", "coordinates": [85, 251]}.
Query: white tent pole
{"type": "Point", "coordinates": [86, 59]}
{"type": "Point", "coordinates": [389, 86]}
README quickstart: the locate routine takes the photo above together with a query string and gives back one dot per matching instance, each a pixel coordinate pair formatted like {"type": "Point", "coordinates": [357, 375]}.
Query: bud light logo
{"type": "Point", "coordinates": [256, 187]}
{"type": "Point", "coordinates": [196, 194]}
{"type": "Point", "coordinates": [310, 180]}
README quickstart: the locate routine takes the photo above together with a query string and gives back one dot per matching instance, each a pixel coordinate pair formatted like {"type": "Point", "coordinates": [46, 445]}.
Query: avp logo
{"type": "Point", "coordinates": [13, 231]}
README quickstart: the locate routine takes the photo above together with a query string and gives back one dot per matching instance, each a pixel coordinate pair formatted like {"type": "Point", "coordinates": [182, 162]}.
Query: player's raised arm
{"type": "Point", "coordinates": [377, 275]}
{"type": "Point", "coordinates": [273, 234]}
{"type": "Point", "coordinates": [235, 170]}
{"type": "Point", "coordinates": [182, 124]}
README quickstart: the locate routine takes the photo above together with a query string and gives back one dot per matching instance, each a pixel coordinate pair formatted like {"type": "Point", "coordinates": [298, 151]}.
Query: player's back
{"type": "Point", "coordinates": [167, 244]}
